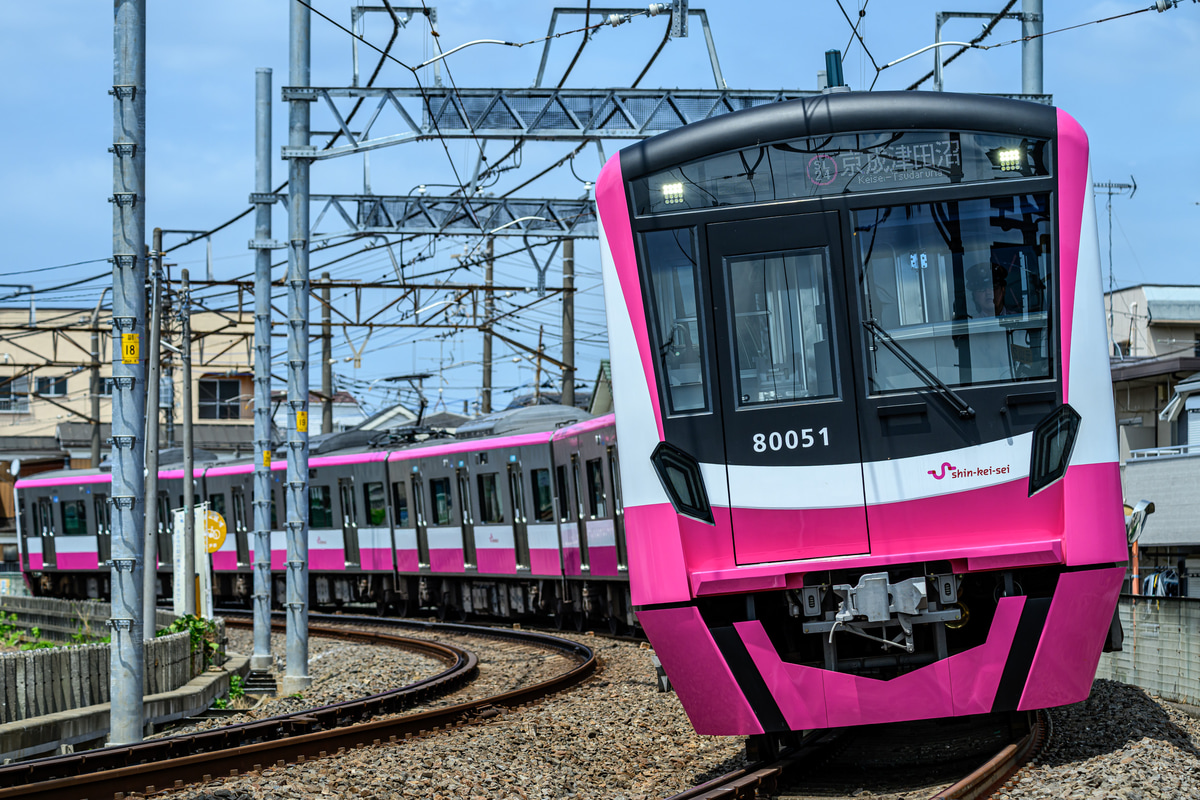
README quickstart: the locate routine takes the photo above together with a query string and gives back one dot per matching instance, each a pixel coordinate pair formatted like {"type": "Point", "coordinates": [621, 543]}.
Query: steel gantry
{"type": "Point", "coordinates": [532, 114]}
{"type": "Point", "coordinates": [442, 216]}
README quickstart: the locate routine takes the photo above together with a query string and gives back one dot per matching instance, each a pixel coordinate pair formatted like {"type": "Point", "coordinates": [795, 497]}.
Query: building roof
{"type": "Point", "coordinates": [1166, 304]}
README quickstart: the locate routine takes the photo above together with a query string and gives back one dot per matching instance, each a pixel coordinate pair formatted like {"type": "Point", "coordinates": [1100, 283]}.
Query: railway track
{"type": "Point", "coordinates": [176, 761]}
{"type": "Point", "coordinates": [886, 760]}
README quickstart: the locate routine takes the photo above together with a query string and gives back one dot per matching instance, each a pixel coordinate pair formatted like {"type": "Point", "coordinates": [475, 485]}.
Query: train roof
{"type": "Point", "coordinates": [837, 112]}
{"type": "Point", "coordinates": [526, 419]}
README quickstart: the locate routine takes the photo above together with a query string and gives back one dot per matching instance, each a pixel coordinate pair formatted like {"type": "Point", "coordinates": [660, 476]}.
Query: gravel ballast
{"type": "Point", "coordinates": [616, 736]}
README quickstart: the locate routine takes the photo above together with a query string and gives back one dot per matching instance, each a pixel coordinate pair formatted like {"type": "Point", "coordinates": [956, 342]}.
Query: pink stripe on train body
{"type": "Point", "coordinates": [700, 677]}
{"type": "Point", "coordinates": [470, 446]}
{"type": "Point", "coordinates": [63, 480]}
{"type": "Point", "coordinates": [786, 534]}
{"type": "Point", "coordinates": [585, 426]}
{"type": "Point", "coordinates": [602, 561]}
{"type": "Point", "coordinates": [407, 560]}
{"type": "Point", "coordinates": [224, 561]}
{"type": "Point", "coordinates": [544, 562]}
{"type": "Point", "coordinates": [77, 561]}
{"type": "Point", "coordinates": [613, 208]}
{"type": "Point", "coordinates": [496, 560]}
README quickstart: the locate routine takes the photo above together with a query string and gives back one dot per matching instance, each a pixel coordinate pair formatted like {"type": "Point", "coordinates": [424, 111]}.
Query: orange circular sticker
{"type": "Point", "coordinates": [214, 532]}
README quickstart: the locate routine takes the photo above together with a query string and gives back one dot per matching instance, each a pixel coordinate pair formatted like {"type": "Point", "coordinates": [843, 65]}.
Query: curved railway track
{"type": "Point", "coordinates": [836, 755]}
{"type": "Point", "coordinates": [175, 761]}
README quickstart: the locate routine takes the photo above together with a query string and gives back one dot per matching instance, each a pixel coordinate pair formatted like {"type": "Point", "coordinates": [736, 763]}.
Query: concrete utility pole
{"type": "Point", "coordinates": [296, 678]}
{"type": "Point", "coordinates": [261, 660]}
{"type": "Point", "coordinates": [485, 400]}
{"type": "Point", "coordinates": [326, 357]}
{"type": "Point", "coordinates": [1031, 47]}
{"type": "Point", "coordinates": [126, 667]}
{"type": "Point", "coordinates": [568, 323]}
{"type": "Point", "coordinates": [189, 479]}
{"type": "Point", "coordinates": [150, 575]}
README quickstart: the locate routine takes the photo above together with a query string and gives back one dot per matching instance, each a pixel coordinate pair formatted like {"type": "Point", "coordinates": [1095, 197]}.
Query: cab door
{"type": "Point", "coordinates": [349, 505]}
{"type": "Point", "coordinates": [788, 406]}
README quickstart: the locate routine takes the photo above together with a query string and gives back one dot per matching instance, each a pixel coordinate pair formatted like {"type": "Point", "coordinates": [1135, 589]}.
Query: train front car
{"type": "Point", "coordinates": [863, 400]}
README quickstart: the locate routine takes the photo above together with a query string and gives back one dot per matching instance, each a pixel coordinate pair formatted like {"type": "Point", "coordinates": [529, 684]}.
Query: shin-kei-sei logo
{"type": "Point", "coordinates": [938, 474]}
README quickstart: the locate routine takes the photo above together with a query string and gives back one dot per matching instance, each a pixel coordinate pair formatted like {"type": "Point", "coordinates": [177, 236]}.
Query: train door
{"type": "Point", "coordinates": [468, 522]}
{"type": "Point", "coordinates": [45, 524]}
{"type": "Point", "coordinates": [240, 526]}
{"type": "Point", "coordinates": [103, 516]}
{"type": "Point", "coordinates": [787, 392]}
{"type": "Point", "coordinates": [420, 522]}
{"type": "Point", "coordinates": [165, 521]}
{"type": "Point", "coordinates": [618, 509]}
{"type": "Point", "coordinates": [516, 495]}
{"type": "Point", "coordinates": [350, 522]}
{"type": "Point", "coordinates": [580, 514]}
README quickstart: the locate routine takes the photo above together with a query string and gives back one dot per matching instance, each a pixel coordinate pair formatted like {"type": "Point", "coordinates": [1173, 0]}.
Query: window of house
{"type": "Point", "coordinates": [219, 399]}
{"type": "Point", "coordinates": [52, 386]}
{"type": "Point", "coordinates": [14, 395]}
{"type": "Point", "coordinates": [320, 507]}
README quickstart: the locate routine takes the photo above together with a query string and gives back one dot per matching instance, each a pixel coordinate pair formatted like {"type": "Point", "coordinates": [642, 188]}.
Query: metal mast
{"type": "Point", "coordinates": [126, 668]}
{"type": "Point", "coordinates": [568, 322]}
{"type": "Point", "coordinates": [150, 574]}
{"type": "Point", "coordinates": [261, 660]}
{"type": "Point", "coordinates": [296, 677]}
{"type": "Point", "coordinates": [1031, 47]}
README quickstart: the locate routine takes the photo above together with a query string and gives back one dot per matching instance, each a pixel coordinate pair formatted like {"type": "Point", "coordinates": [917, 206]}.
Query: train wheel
{"type": "Point", "coordinates": [561, 616]}
{"type": "Point", "coordinates": [579, 620]}
{"type": "Point", "coordinates": [615, 625]}
{"type": "Point", "coordinates": [400, 604]}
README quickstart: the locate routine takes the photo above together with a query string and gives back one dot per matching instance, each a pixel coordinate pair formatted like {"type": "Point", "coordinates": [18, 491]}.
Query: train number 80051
{"type": "Point", "coordinates": [790, 440]}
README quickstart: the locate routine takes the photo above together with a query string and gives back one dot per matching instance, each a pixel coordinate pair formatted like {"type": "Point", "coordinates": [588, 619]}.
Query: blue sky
{"type": "Point", "coordinates": [1130, 82]}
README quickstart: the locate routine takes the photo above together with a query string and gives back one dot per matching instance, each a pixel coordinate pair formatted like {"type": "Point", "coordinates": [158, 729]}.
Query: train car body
{"type": "Point", "coordinates": [869, 460]}
{"type": "Point", "coordinates": [453, 526]}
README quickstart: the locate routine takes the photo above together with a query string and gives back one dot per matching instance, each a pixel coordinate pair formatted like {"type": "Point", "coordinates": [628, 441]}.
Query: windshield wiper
{"type": "Point", "coordinates": [920, 370]}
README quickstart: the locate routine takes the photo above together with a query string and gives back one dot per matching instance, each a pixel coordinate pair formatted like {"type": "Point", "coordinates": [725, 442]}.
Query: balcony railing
{"type": "Point", "coordinates": [1176, 451]}
{"type": "Point", "coordinates": [14, 405]}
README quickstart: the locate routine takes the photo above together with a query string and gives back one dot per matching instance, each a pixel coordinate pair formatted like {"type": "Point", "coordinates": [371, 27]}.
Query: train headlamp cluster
{"type": "Point", "coordinates": [1009, 159]}
{"type": "Point", "coordinates": [672, 193]}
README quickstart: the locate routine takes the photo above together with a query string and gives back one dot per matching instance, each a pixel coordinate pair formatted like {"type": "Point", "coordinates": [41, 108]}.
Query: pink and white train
{"type": "Point", "coordinates": [519, 517]}
{"type": "Point", "coordinates": [864, 407]}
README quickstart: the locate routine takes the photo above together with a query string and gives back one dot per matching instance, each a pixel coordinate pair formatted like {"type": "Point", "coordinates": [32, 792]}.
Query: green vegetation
{"type": "Point", "coordinates": [203, 634]}
{"type": "Point", "coordinates": [13, 636]}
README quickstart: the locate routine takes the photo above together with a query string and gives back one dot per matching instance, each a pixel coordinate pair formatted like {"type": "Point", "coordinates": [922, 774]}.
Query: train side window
{"type": "Point", "coordinates": [490, 507]}
{"type": "Point", "coordinates": [597, 505]}
{"type": "Point", "coordinates": [543, 495]}
{"type": "Point", "coordinates": [320, 507]}
{"type": "Point", "coordinates": [516, 488]}
{"type": "Point", "coordinates": [274, 514]}
{"type": "Point", "coordinates": [575, 485]}
{"type": "Point", "coordinates": [443, 505]}
{"type": "Point", "coordinates": [74, 522]}
{"type": "Point", "coordinates": [679, 330]}
{"type": "Point", "coordinates": [400, 503]}
{"type": "Point", "coordinates": [216, 502]}
{"type": "Point", "coordinates": [376, 503]}
{"type": "Point", "coordinates": [564, 498]}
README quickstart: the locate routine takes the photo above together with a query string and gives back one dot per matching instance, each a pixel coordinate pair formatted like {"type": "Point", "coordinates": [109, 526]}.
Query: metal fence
{"type": "Point", "coordinates": [1162, 648]}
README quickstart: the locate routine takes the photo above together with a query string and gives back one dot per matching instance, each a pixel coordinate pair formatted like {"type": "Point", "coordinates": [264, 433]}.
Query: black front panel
{"type": "Point", "coordinates": [787, 384]}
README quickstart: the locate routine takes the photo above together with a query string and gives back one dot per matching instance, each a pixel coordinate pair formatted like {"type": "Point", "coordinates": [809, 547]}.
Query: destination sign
{"type": "Point", "coordinates": [842, 164]}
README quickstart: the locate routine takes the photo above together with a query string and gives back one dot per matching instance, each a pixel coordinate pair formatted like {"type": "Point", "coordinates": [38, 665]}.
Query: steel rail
{"type": "Point", "coordinates": [315, 733]}
{"type": "Point", "coordinates": [984, 781]}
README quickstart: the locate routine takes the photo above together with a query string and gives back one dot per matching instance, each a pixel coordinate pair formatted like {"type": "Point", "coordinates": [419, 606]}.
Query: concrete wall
{"type": "Point", "coordinates": [1161, 651]}
{"type": "Point", "coordinates": [1169, 483]}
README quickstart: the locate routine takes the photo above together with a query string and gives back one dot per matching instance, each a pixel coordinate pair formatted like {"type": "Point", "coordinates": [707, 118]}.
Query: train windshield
{"type": "Point", "coordinates": [680, 333]}
{"type": "Point", "coordinates": [960, 287]}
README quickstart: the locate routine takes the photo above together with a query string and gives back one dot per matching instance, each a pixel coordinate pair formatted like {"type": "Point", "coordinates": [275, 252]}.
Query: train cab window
{"type": "Point", "coordinates": [320, 507]}
{"type": "Point", "coordinates": [490, 508]}
{"type": "Point", "coordinates": [74, 521]}
{"type": "Point", "coordinates": [375, 504]}
{"type": "Point", "coordinates": [564, 497]}
{"type": "Point", "coordinates": [961, 287]}
{"type": "Point", "coordinates": [543, 495]}
{"type": "Point", "coordinates": [597, 505]}
{"type": "Point", "coordinates": [400, 503]}
{"type": "Point", "coordinates": [783, 349]}
{"type": "Point", "coordinates": [679, 330]}
{"type": "Point", "coordinates": [440, 501]}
